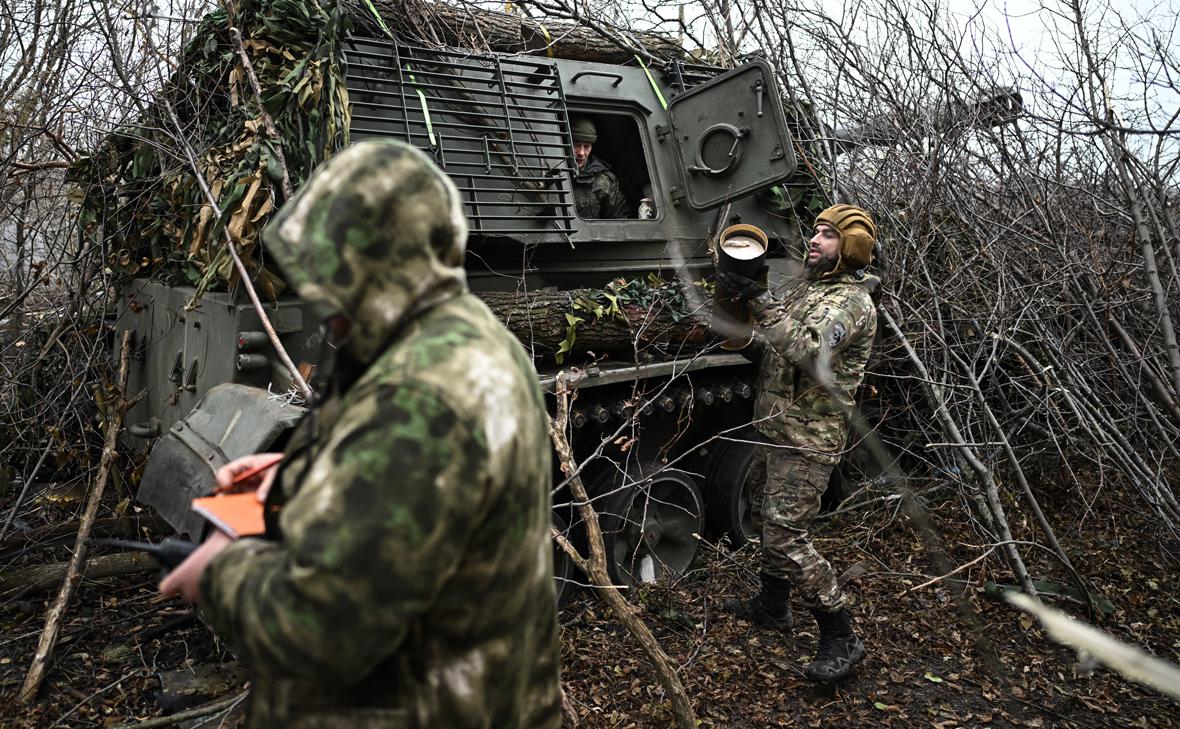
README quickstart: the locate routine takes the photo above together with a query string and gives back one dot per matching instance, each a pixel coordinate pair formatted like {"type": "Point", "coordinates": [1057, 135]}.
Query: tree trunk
{"type": "Point", "coordinates": [467, 27]}
{"type": "Point", "coordinates": [539, 321]}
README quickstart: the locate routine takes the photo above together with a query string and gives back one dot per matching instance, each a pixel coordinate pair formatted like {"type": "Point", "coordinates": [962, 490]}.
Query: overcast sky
{"type": "Point", "coordinates": [1039, 37]}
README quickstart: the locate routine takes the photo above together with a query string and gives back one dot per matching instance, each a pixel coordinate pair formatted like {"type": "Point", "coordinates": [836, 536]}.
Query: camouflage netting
{"type": "Point", "coordinates": [138, 191]}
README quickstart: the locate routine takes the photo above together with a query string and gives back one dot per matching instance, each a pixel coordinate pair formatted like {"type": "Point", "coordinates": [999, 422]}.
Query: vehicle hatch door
{"type": "Point", "coordinates": [731, 136]}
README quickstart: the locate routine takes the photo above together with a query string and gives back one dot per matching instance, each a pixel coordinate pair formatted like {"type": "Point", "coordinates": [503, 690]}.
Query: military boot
{"type": "Point", "coordinates": [770, 608]}
{"type": "Point", "coordinates": [839, 648]}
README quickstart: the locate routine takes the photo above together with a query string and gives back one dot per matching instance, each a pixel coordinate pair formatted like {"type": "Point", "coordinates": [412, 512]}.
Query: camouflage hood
{"type": "Point", "coordinates": [376, 235]}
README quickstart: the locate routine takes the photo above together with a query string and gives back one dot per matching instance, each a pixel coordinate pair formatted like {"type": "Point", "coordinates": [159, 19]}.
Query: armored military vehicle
{"type": "Point", "coordinates": [697, 148]}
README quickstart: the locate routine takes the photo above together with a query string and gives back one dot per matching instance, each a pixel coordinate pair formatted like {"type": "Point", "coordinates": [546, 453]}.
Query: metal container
{"type": "Point", "coordinates": [740, 249]}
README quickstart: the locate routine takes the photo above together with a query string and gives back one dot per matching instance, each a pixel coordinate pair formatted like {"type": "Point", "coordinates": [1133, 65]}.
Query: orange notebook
{"type": "Point", "coordinates": [238, 515]}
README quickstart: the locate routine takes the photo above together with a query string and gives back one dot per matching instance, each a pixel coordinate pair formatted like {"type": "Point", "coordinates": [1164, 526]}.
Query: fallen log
{"type": "Point", "coordinates": [468, 27]}
{"type": "Point", "coordinates": [539, 320]}
{"type": "Point", "coordinates": [127, 527]}
{"type": "Point", "coordinates": [16, 583]}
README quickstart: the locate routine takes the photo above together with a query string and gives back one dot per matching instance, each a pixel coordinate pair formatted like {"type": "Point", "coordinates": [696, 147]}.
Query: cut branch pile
{"type": "Point", "coordinates": [1027, 345]}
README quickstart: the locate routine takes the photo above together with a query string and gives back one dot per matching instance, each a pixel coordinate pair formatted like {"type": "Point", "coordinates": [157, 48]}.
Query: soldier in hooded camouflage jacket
{"type": "Point", "coordinates": [412, 584]}
{"type": "Point", "coordinates": [815, 342]}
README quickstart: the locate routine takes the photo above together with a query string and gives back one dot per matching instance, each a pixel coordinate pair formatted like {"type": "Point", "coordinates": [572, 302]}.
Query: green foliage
{"type": "Point", "coordinates": [138, 188]}
{"type": "Point", "coordinates": [609, 303]}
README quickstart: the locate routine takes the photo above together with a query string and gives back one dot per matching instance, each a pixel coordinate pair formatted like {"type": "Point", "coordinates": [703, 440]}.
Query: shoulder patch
{"type": "Point", "coordinates": [837, 335]}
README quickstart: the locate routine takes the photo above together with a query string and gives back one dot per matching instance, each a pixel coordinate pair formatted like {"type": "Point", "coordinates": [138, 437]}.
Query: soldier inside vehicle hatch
{"type": "Point", "coordinates": [597, 192]}
{"type": "Point", "coordinates": [814, 341]}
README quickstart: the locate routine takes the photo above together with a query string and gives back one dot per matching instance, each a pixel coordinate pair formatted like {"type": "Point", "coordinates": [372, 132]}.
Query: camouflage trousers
{"type": "Point", "coordinates": [785, 491]}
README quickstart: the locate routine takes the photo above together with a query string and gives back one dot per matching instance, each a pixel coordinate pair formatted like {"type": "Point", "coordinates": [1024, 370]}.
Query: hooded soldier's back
{"type": "Point", "coordinates": [413, 583]}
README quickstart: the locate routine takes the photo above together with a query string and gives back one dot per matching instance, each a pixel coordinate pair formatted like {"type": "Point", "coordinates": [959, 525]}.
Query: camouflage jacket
{"type": "Point", "coordinates": [413, 583]}
{"type": "Point", "coordinates": [597, 193]}
{"type": "Point", "coordinates": [817, 328]}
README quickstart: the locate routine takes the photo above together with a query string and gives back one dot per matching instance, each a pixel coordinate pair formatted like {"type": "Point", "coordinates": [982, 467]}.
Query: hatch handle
{"type": "Point", "coordinates": [618, 77]}
{"type": "Point", "coordinates": [732, 157]}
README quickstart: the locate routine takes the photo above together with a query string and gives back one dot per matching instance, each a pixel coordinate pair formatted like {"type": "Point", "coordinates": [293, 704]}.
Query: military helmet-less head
{"type": "Point", "coordinates": [857, 232]}
{"type": "Point", "coordinates": [583, 130]}
{"type": "Point", "coordinates": [376, 235]}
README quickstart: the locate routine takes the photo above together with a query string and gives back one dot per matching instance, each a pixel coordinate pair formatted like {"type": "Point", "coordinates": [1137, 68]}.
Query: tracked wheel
{"type": "Point", "coordinates": [651, 521]}
{"type": "Point", "coordinates": [729, 490]}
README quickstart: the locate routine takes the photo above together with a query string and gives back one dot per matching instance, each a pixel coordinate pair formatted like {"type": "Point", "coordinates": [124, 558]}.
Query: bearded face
{"type": "Point", "coordinates": [823, 252]}
{"type": "Point", "coordinates": [814, 271]}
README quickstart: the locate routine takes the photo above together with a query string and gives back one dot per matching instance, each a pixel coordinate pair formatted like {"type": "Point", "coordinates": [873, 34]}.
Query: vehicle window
{"type": "Point", "coordinates": [610, 179]}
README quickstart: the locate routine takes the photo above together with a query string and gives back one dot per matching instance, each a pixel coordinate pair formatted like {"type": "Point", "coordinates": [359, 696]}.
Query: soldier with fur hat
{"type": "Point", "coordinates": [597, 193]}
{"type": "Point", "coordinates": [815, 341]}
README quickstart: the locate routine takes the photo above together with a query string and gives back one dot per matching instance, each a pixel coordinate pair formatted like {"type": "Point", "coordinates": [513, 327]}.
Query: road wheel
{"type": "Point", "coordinates": [729, 491]}
{"type": "Point", "coordinates": [650, 524]}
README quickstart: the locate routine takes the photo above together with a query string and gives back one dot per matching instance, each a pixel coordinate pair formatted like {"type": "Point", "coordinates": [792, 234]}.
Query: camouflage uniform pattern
{"type": "Point", "coordinates": [784, 499]}
{"type": "Point", "coordinates": [827, 327]}
{"type": "Point", "coordinates": [820, 329]}
{"type": "Point", "coordinates": [597, 193]}
{"type": "Point", "coordinates": [413, 584]}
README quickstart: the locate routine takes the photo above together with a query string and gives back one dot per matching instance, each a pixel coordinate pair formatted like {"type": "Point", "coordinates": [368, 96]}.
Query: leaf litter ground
{"type": "Point", "coordinates": [925, 666]}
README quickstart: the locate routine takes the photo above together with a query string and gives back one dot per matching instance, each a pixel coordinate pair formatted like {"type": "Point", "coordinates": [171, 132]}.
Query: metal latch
{"type": "Point", "coordinates": [190, 381]}
{"type": "Point", "coordinates": [148, 429]}
{"type": "Point", "coordinates": [177, 371]}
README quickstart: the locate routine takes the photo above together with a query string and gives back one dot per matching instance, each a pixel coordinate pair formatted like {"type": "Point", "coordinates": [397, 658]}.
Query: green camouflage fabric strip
{"type": "Point", "coordinates": [597, 193]}
{"type": "Point", "coordinates": [825, 326]}
{"type": "Point", "coordinates": [413, 586]}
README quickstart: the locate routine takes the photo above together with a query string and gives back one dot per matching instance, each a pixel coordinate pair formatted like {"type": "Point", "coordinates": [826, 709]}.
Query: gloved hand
{"type": "Point", "coordinates": [739, 286]}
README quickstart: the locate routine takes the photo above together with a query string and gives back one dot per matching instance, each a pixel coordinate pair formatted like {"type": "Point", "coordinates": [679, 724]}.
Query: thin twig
{"type": "Point", "coordinates": [271, 132]}
{"type": "Point", "coordinates": [596, 566]}
{"type": "Point", "coordinates": [93, 695]}
{"type": "Point", "coordinates": [952, 573]}
{"type": "Point", "coordinates": [210, 709]}
{"type": "Point", "coordinates": [243, 274]}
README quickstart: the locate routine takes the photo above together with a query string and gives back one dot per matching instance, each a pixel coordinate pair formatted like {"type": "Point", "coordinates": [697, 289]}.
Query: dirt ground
{"type": "Point", "coordinates": [927, 663]}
